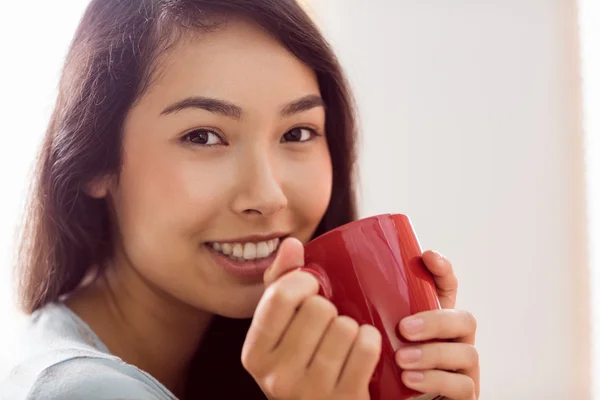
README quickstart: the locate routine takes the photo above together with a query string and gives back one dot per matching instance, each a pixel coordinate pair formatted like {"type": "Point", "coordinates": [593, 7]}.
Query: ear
{"type": "Point", "coordinates": [98, 188]}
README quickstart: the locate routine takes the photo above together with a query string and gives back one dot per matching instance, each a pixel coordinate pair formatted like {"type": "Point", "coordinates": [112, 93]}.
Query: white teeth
{"type": "Point", "coordinates": [262, 250]}
{"type": "Point", "coordinates": [273, 244]}
{"type": "Point", "coordinates": [238, 250]}
{"type": "Point", "coordinates": [227, 248]}
{"type": "Point", "coordinates": [247, 251]}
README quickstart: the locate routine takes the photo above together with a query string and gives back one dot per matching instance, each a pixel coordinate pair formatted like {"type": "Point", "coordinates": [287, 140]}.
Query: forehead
{"type": "Point", "coordinates": [238, 62]}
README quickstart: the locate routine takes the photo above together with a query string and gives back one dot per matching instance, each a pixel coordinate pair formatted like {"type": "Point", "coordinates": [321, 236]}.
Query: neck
{"type": "Point", "coordinates": [142, 325]}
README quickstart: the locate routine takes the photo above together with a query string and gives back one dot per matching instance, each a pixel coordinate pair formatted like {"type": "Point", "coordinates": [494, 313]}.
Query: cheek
{"type": "Point", "coordinates": [164, 197]}
{"type": "Point", "coordinates": [308, 189]}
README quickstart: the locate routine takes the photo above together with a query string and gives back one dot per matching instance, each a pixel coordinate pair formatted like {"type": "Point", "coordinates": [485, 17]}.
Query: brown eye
{"type": "Point", "coordinates": [298, 135]}
{"type": "Point", "coordinates": [203, 137]}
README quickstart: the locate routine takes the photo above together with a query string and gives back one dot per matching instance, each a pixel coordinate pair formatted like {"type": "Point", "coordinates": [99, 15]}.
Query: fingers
{"type": "Point", "coordinates": [449, 384]}
{"type": "Point", "coordinates": [278, 304]}
{"type": "Point", "coordinates": [445, 356]}
{"type": "Point", "coordinates": [448, 368]}
{"type": "Point", "coordinates": [299, 343]}
{"type": "Point", "coordinates": [361, 362]}
{"type": "Point", "coordinates": [273, 314]}
{"type": "Point", "coordinates": [326, 366]}
{"type": "Point", "coordinates": [443, 276]}
{"type": "Point", "coordinates": [440, 324]}
{"type": "Point", "coordinates": [289, 256]}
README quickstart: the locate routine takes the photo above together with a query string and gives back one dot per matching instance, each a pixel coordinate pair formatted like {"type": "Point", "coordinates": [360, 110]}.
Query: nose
{"type": "Point", "coordinates": [260, 191]}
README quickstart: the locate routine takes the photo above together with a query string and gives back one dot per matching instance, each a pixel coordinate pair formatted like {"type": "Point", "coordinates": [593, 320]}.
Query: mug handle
{"type": "Point", "coordinates": [319, 273]}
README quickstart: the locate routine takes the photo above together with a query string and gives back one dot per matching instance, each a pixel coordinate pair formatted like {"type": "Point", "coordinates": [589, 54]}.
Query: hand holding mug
{"type": "Point", "coordinates": [298, 347]}
{"type": "Point", "coordinates": [372, 272]}
{"type": "Point", "coordinates": [449, 363]}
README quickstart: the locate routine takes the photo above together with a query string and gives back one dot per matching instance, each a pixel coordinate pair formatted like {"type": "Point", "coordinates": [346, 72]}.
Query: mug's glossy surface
{"type": "Point", "coordinates": [372, 271]}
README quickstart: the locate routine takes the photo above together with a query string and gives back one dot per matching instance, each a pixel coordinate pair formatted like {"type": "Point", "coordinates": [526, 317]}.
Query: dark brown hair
{"type": "Point", "coordinates": [114, 56]}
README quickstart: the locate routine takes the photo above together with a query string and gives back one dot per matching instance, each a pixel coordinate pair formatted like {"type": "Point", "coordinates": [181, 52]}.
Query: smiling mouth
{"type": "Point", "coordinates": [247, 251]}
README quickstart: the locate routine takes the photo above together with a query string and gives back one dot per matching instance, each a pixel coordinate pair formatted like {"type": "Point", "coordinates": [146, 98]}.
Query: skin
{"type": "Point", "coordinates": [155, 299]}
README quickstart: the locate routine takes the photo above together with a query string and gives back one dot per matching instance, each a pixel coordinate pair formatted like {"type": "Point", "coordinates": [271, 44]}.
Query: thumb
{"type": "Point", "coordinates": [289, 256]}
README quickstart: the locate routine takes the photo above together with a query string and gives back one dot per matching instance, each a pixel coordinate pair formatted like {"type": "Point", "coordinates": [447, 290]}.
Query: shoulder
{"type": "Point", "coordinates": [57, 356]}
{"type": "Point", "coordinates": [76, 374]}
{"type": "Point", "coordinates": [94, 379]}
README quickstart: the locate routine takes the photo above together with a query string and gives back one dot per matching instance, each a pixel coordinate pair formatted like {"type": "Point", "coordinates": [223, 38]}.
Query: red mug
{"type": "Point", "coordinates": [372, 270]}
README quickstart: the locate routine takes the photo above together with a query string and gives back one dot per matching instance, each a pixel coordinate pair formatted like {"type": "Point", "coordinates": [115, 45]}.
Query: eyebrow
{"type": "Point", "coordinates": [230, 110]}
{"type": "Point", "coordinates": [303, 104]}
{"type": "Point", "coordinates": [220, 107]}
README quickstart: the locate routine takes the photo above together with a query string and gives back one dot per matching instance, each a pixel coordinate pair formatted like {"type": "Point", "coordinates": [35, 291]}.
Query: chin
{"type": "Point", "coordinates": [239, 312]}
{"type": "Point", "coordinates": [241, 304]}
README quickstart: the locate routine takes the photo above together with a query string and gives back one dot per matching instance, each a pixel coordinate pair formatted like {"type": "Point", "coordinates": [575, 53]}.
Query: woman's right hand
{"type": "Point", "coordinates": [298, 347]}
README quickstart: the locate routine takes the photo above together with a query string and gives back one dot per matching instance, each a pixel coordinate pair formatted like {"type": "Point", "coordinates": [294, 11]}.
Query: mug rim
{"type": "Point", "coordinates": [358, 221]}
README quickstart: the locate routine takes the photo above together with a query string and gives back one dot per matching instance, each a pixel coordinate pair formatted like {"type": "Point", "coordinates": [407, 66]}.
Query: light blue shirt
{"type": "Point", "coordinates": [60, 358]}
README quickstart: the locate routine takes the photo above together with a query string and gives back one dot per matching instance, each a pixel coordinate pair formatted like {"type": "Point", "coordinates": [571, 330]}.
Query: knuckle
{"type": "Point", "coordinates": [328, 308]}
{"type": "Point", "coordinates": [369, 341]}
{"type": "Point", "coordinates": [247, 362]}
{"type": "Point", "coordinates": [291, 289]}
{"type": "Point", "coordinates": [346, 327]}
{"type": "Point", "coordinates": [279, 386]}
{"type": "Point", "coordinates": [468, 389]}
{"type": "Point", "coordinates": [278, 296]}
{"type": "Point", "coordinates": [472, 355]}
{"type": "Point", "coordinates": [251, 363]}
{"type": "Point", "coordinates": [470, 320]}
{"type": "Point", "coordinates": [321, 306]}
{"type": "Point", "coordinates": [307, 278]}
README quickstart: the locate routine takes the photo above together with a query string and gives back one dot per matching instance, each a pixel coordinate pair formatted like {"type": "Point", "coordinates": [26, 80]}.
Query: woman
{"type": "Point", "coordinates": [195, 145]}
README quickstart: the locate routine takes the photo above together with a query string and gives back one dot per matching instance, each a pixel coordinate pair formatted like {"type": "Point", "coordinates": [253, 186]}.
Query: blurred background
{"type": "Point", "coordinates": [480, 120]}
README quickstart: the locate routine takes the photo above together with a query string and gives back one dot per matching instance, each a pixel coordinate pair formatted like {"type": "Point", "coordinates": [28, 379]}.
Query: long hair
{"type": "Point", "coordinates": [113, 58]}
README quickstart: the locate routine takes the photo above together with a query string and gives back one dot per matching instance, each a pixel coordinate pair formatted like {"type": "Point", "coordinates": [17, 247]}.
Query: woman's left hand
{"type": "Point", "coordinates": [450, 367]}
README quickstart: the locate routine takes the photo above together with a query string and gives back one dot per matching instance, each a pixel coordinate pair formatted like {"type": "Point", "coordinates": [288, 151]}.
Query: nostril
{"type": "Point", "coordinates": [252, 211]}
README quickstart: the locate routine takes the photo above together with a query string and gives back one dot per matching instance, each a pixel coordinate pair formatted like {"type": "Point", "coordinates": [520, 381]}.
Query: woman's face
{"type": "Point", "coordinates": [225, 153]}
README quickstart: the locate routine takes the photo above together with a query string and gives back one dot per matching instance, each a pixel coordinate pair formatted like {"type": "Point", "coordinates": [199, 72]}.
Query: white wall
{"type": "Point", "coordinates": [33, 46]}
{"type": "Point", "coordinates": [471, 125]}
{"type": "Point", "coordinates": [589, 16]}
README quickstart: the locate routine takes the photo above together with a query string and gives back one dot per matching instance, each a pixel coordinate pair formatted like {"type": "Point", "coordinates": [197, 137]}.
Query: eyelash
{"type": "Point", "coordinates": [187, 137]}
{"type": "Point", "coordinates": [313, 133]}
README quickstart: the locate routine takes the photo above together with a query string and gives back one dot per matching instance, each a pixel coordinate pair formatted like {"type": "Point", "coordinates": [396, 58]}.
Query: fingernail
{"type": "Point", "coordinates": [410, 355]}
{"type": "Point", "coordinates": [438, 255]}
{"type": "Point", "coordinates": [414, 376]}
{"type": "Point", "coordinates": [413, 325]}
